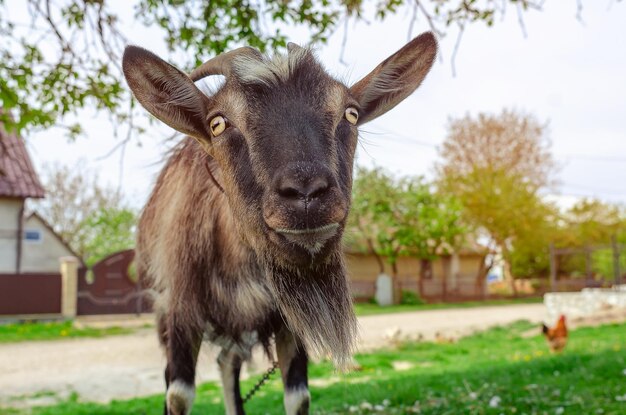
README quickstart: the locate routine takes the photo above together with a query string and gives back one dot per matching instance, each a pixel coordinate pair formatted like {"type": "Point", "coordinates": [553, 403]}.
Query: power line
{"type": "Point", "coordinates": [394, 135]}
{"type": "Point", "coordinates": [400, 137]}
{"type": "Point", "coordinates": [595, 158]}
{"type": "Point", "coordinates": [595, 189]}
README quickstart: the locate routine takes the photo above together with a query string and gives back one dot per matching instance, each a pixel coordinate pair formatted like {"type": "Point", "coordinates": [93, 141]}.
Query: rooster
{"type": "Point", "coordinates": [557, 335]}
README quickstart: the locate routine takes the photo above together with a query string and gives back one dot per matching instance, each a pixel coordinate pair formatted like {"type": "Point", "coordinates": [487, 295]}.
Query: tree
{"type": "Point", "coordinates": [588, 223]}
{"type": "Point", "coordinates": [108, 230]}
{"type": "Point", "coordinates": [371, 225]}
{"type": "Point", "coordinates": [75, 46]}
{"type": "Point", "coordinates": [530, 253]}
{"type": "Point", "coordinates": [496, 165]}
{"type": "Point", "coordinates": [93, 220]}
{"type": "Point", "coordinates": [393, 217]}
{"type": "Point", "coordinates": [591, 223]}
{"type": "Point", "coordinates": [432, 227]}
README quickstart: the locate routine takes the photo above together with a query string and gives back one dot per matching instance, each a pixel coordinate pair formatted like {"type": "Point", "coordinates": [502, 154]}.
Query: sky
{"type": "Point", "coordinates": [569, 74]}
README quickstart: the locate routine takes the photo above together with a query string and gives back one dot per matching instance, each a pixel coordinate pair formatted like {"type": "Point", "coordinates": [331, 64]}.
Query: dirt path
{"type": "Point", "coordinates": [132, 365]}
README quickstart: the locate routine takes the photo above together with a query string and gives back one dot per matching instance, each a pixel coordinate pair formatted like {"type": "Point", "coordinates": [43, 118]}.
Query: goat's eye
{"type": "Point", "coordinates": [352, 115]}
{"type": "Point", "coordinates": [218, 125]}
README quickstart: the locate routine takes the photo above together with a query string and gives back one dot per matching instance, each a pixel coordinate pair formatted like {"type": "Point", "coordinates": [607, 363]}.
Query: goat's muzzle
{"type": "Point", "coordinates": [304, 208]}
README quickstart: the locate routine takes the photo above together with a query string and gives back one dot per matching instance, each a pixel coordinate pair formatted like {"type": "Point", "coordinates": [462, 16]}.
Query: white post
{"type": "Point", "coordinates": [69, 286]}
{"type": "Point", "coordinates": [384, 290]}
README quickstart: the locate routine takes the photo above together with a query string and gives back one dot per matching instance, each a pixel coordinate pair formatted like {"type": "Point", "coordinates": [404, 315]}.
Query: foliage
{"type": "Point", "coordinates": [410, 298]}
{"type": "Point", "coordinates": [75, 46]}
{"type": "Point", "coordinates": [592, 223]}
{"type": "Point", "coordinates": [432, 221]}
{"type": "Point", "coordinates": [496, 165]}
{"type": "Point", "coordinates": [67, 46]}
{"type": "Point", "coordinates": [53, 330]}
{"type": "Point", "coordinates": [91, 218]}
{"type": "Point", "coordinates": [588, 223]}
{"type": "Point", "coordinates": [512, 142]}
{"type": "Point", "coordinates": [372, 222]}
{"type": "Point", "coordinates": [500, 371]}
{"type": "Point", "coordinates": [109, 230]}
{"type": "Point", "coordinates": [392, 217]}
{"type": "Point", "coordinates": [530, 257]}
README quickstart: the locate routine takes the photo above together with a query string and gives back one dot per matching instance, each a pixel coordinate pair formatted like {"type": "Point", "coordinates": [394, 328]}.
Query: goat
{"type": "Point", "coordinates": [241, 237]}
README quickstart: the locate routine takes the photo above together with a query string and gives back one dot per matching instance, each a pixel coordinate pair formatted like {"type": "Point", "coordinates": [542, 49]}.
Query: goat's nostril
{"type": "Point", "coordinates": [317, 189]}
{"type": "Point", "coordinates": [289, 192]}
{"type": "Point", "coordinates": [297, 184]}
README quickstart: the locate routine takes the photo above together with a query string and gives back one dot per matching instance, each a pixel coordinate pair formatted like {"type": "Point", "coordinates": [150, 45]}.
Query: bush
{"type": "Point", "coordinates": [410, 298]}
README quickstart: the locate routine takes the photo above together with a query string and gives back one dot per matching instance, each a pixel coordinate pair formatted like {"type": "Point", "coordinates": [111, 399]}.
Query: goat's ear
{"type": "Point", "coordinates": [395, 78]}
{"type": "Point", "coordinates": [166, 92]}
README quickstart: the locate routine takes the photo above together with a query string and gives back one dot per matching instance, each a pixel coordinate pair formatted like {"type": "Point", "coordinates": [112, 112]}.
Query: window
{"type": "Point", "coordinates": [33, 236]}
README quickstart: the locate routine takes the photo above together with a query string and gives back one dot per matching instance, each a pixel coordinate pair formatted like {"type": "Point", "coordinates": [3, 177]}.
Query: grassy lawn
{"type": "Point", "coordinates": [496, 372]}
{"type": "Point", "coordinates": [366, 309]}
{"type": "Point", "coordinates": [52, 331]}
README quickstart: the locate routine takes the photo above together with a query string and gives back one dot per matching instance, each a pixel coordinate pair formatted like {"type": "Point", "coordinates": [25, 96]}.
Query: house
{"type": "Point", "coordinates": [30, 279]}
{"type": "Point", "coordinates": [18, 181]}
{"type": "Point", "coordinates": [455, 277]}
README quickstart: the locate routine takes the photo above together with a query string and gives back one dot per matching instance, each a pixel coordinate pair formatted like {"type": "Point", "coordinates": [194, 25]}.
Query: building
{"type": "Point", "coordinates": [455, 277]}
{"type": "Point", "coordinates": [30, 279]}
{"type": "Point", "coordinates": [18, 181]}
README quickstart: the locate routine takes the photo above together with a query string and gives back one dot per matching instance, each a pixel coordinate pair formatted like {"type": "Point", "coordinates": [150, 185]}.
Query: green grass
{"type": "Point", "coordinates": [515, 375]}
{"type": "Point", "coordinates": [366, 309]}
{"type": "Point", "coordinates": [53, 330]}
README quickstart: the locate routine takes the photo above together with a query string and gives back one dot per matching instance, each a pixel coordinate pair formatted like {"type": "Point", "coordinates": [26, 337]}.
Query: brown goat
{"type": "Point", "coordinates": [241, 237]}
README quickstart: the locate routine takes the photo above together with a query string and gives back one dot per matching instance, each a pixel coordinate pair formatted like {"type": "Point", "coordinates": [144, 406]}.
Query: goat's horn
{"type": "Point", "coordinates": [221, 64]}
{"type": "Point", "coordinates": [293, 47]}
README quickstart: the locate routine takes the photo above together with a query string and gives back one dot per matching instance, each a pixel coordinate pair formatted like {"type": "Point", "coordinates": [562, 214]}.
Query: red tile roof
{"type": "Point", "coordinates": [17, 175]}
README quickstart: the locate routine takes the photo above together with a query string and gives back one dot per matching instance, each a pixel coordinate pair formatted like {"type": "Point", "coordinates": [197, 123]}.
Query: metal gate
{"type": "Point", "coordinates": [112, 290]}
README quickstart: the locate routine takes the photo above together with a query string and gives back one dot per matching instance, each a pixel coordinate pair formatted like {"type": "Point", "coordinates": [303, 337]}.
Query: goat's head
{"type": "Point", "coordinates": [283, 133]}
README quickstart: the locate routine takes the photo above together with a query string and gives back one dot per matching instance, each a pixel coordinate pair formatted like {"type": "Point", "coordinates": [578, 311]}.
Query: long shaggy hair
{"type": "Point", "coordinates": [316, 305]}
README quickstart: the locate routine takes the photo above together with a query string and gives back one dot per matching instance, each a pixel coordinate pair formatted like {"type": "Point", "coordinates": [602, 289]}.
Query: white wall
{"type": "Point", "coordinates": [42, 256]}
{"type": "Point", "coordinates": [9, 212]}
{"type": "Point", "coordinates": [584, 303]}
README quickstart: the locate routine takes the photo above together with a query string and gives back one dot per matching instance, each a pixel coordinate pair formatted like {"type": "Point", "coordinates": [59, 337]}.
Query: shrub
{"type": "Point", "coordinates": [410, 298]}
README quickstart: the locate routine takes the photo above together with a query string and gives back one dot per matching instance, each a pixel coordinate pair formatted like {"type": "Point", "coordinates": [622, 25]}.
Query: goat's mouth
{"type": "Point", "coordinates": [310, 239]}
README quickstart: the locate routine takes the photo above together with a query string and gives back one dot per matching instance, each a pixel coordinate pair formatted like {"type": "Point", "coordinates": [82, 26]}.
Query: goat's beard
{"type": "Point", "coordinates": [316, 304]}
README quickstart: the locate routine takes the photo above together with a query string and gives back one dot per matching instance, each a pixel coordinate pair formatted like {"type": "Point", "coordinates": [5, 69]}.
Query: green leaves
{"type": "Point", "coordinates": [496, 165]}
{"type": "Point", "coordinates": [394, 217]}
{"type": "Point", "coordinates": [109, 230]}
{"type": "Point", "coordinates": [92, 219]}
{"type": "Point", "coordinates": [66, 58]}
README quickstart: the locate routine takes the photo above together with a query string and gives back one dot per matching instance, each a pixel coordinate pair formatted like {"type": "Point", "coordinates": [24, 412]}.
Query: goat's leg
{"type": "Point", "coordinates": [293, 360]}
{"type": "Point", "coordinates": [182, 347]}
{"type": "Point", "coordinates": [230, 367]}
{"type": "Point", "coordinates": [162, 333]}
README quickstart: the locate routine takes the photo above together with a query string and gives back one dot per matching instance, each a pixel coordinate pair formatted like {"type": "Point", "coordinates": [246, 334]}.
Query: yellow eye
{"type": "Point", "coordinates": [352, 115]}
{"type": "Point", "coordinates": [218, 125]}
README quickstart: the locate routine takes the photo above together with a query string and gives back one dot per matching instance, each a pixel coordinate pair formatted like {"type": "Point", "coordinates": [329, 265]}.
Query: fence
{"type": "Point", "coordinates": [583, 261]}
{"type": "Point", "coordinates": [29, 294]}
{"type": "Point", "coordinates": [113, 290]}
{"type": "Point", "coordinates": [432, 290]}
{"type": "Point", "coordinates": [68, 293]}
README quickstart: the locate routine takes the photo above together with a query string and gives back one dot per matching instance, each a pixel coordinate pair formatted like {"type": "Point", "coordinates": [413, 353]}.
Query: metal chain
{"type": "Point", "coordinates": [262, 381]}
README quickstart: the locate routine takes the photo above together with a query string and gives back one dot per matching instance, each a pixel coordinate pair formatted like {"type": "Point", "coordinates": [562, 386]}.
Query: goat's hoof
{"type": "Point", "coordinates": [180, 398]}
{"type": "Point", "coordinates": [304, 408]}
{"type": "Point", "coordinates": [297, 401]}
